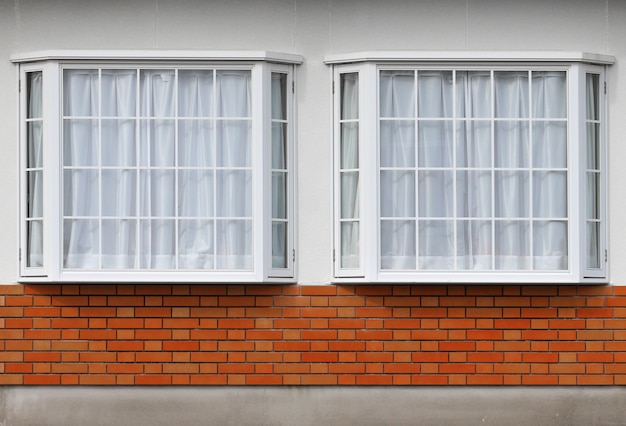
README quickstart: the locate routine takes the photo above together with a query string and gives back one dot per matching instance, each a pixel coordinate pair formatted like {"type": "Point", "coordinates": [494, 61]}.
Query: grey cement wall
{"type": "Point", "coordinates": [502, 406]}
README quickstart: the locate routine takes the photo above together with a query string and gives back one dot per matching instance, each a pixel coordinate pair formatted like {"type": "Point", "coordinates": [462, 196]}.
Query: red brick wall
{"type": "Point", "coordinates": [301, 335]}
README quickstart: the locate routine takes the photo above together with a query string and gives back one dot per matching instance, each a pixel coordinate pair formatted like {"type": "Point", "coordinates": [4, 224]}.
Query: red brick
{"type": "Point", "coordinates": [153, 312]}
{"type": "Point", "coordinates": [594, 334]}
{"type": "Point", "coordinates": [457, 346]}
{"type": "Point", "coordinates": [594, 312]}
{"type": "Point", "coordinates": [319, 334]}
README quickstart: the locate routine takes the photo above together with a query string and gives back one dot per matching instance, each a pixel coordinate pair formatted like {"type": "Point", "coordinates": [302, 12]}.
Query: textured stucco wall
{"type": "Point", "coordinates": [313, 29]}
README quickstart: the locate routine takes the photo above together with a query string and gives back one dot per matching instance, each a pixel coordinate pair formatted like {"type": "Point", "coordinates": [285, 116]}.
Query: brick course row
{"type": "Point", "coordinates": [312, 335]}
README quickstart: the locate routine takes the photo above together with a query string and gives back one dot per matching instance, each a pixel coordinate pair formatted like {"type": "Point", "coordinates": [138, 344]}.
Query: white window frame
{"type": "Point", "coordinates": [262, 65]}
{"type": "Point", "coordinates": [368, 64]}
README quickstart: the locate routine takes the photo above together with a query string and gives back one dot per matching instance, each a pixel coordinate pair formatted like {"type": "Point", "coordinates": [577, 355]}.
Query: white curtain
{"type": "Point", "coordinates": [349, 172]}
{"type": "Point", "coordinates": [279, 170]}
{"type": "Point", "coordinates": [454, 198]}
{"type": "Point", "coordinates": [34, 175]}
{"type": "Point", "coordinates": [143, 173]}
{"type": "Point", "coordinates": [593, 171]}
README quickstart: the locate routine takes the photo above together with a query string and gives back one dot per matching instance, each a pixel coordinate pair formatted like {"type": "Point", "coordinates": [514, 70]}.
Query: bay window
{"type": "Point", "coordinates": [470, 168]}
{"type": "Point", "coordinates": [178, 168]}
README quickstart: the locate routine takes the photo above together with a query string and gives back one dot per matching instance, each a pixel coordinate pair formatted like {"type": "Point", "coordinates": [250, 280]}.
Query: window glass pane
{"type": "Point", "coordinates": [81, 244]}
{"type": "Point", "coordinates": [435, 146]}
{"type": "Point", "coordinates": [279, 195]}
{"type": "Point", "coordinates": [436, 244]}
{"type": "Point", "coordinates": [196, 244]}
{"type": "Point", "coordinates": [34, 166]}
{"type": "Point", "coordinates": [158, 244]}
{"type": "Point", "coordinates": [34, 243]}
{"type": "Point", "coordinates": [512, 195]}
{"type": "Point", "coordinates": [349, 195]}
{"type": "Point", "coordinates": [550, 245]}
{"type": "Point", "coordinates": [195, 193]}
{"type": "Point", "coordinates": [279, 244]}
{"type": "Point", "coordinates": [119, 93]}
{"type": "Point", "coordinates": [118, 143]}
{"type": "Point", "coordinates": [195, 93]}
{"type": "Point", "coordinates": [549, 94]}
{"type": "Point", "coordinates": [511, 94]}
{"type": "Point", "coordinates": [157, 93]}
{"type": "Point", "coordinates": [550, 194]}
{"type": "Point", "coordinates": [233, 143]}
{"type": "Point", "coordinates": [397, 94]}
{"type": "Point", "coordinates": [549, 144]}
{"type": "Point", "coordinates": [397, 244]}
{"type": "Point", "coordinates": [436, 193]}
{"type": "Point", "coordinates": [480, 155]}
{"type": "Point", "coordinates": [594, 212]}
{"type": "Point", "coordinates": [349, 145]}
{"type": "Point", "coordinates": [397, 193]}
{"type": "Point", "coordinates": [196, 143]}
{"type": "Point", "coordinates": [397, 143]}
{"type": "Point", "coordinates": [34, 85]}
{"type": "Point", "coordinates": [473, 144]}
{"type": "Point", "coordinates": [119, 192]}
{"type": "Point", "coordinates": [593, 245]}
{"type": "Point", "coordinates": [511, 144]}
{"type": "Point", "coordinates": [34, 130]}
{"type": "Point", "coordinates": [279, 96]}
{"type": "Point", "coordinates": [81, 192]}
{"type": "Point", "coordinates": [81, 93]}
{"type": "Point", "coordinates": [350, 240]}
{"type": "Point", "coordinates": [593, 110]}
{"type": "Point", "coordinates": [233, 93]}
{"type": "Point", "coordinates": [152, 158]}
{"type": "Point", "coordinates": [157, 193]}
{"type": "Point", "coordinates": [234, 244]}
{"type": "Point", "coordinates": [593, 191]}
{"type": "Point", "coordinates": [593, 148]}
{"type": "Point", "coordinates": [512, 247]}
{"type": "Point", "coordinates": [119, 244]}
{"type": "Point", "coordinates": [279, 145]}
{"type": "Point", "coordinates": [80, 142]}
{"type": "Point", "coordinates": [474, 246]}
{"type": "Point", "coordinates": [157, 138]}
{"type": "Point", "coordinates": [234, 193]}
{"type": "Point", "coordinates": [473, 193]}
{"type": "Point", "coordinates": [473, 94]}
{"type": "Point", "coordinates": [434, 94]}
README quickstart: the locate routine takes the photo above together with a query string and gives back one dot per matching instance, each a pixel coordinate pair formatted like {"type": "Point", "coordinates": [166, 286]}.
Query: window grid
{"type": "Point", "coordinates": [34, 170]}
{"type": "Point", "coordinates": [142, 164]}
{"type": "Point", "coordinates": [279, 173]}
{"type": "Point", "coordinates": [531, 219]}
{"type": "Point", "coordinates": [593, 172]}
{"type": "Point", "coordinates": [349, 172]}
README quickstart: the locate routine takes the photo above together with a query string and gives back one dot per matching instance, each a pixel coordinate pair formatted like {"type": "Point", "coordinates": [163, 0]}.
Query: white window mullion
{"type": "Point", "coordinates": [455, 222]}
{"type": "Point", "coordinates": [492, 143]}
{"type": "Point", "coordinates": [99, 167]}
{"type": "Point", "coordinates": [531, 212]}
{"type": "Point", "coordinates": [137, 120]}
{"type": "Point", "coordinates": [176, 170]}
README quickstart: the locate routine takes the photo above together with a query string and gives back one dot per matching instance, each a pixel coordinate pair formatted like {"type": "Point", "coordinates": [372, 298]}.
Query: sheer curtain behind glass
{"type": "Point", "coordinates": [349, 171]}
{"type": "Point", "coordinates": [280, 163]}
{"type": "Point", "coordinates": [157, 169]}
{"type": "Point", "coordinates": [34, 170]}
{"type": "Point", "coordinates": [473, 170]}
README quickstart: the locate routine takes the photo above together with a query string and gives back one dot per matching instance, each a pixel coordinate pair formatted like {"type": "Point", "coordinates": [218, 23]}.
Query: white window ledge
{"type": "Point", "coordinates": [158, 55]}
{"type": "Point", "coordinates": [468, 56]}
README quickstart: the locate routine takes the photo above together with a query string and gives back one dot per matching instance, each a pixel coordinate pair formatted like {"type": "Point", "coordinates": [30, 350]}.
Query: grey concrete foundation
{"type": "Point", "coordinates": [65, 406]}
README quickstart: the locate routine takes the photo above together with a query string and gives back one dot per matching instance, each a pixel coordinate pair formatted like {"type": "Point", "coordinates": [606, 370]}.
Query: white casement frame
{"type": "Point", "coordinates": [261, 63]}
{"type": "Point", "coordinates": [368, 64]}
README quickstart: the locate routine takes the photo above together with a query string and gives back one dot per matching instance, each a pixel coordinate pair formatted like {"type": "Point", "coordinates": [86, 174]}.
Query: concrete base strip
{"type": "Point", "coordinates": [138, 406]}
